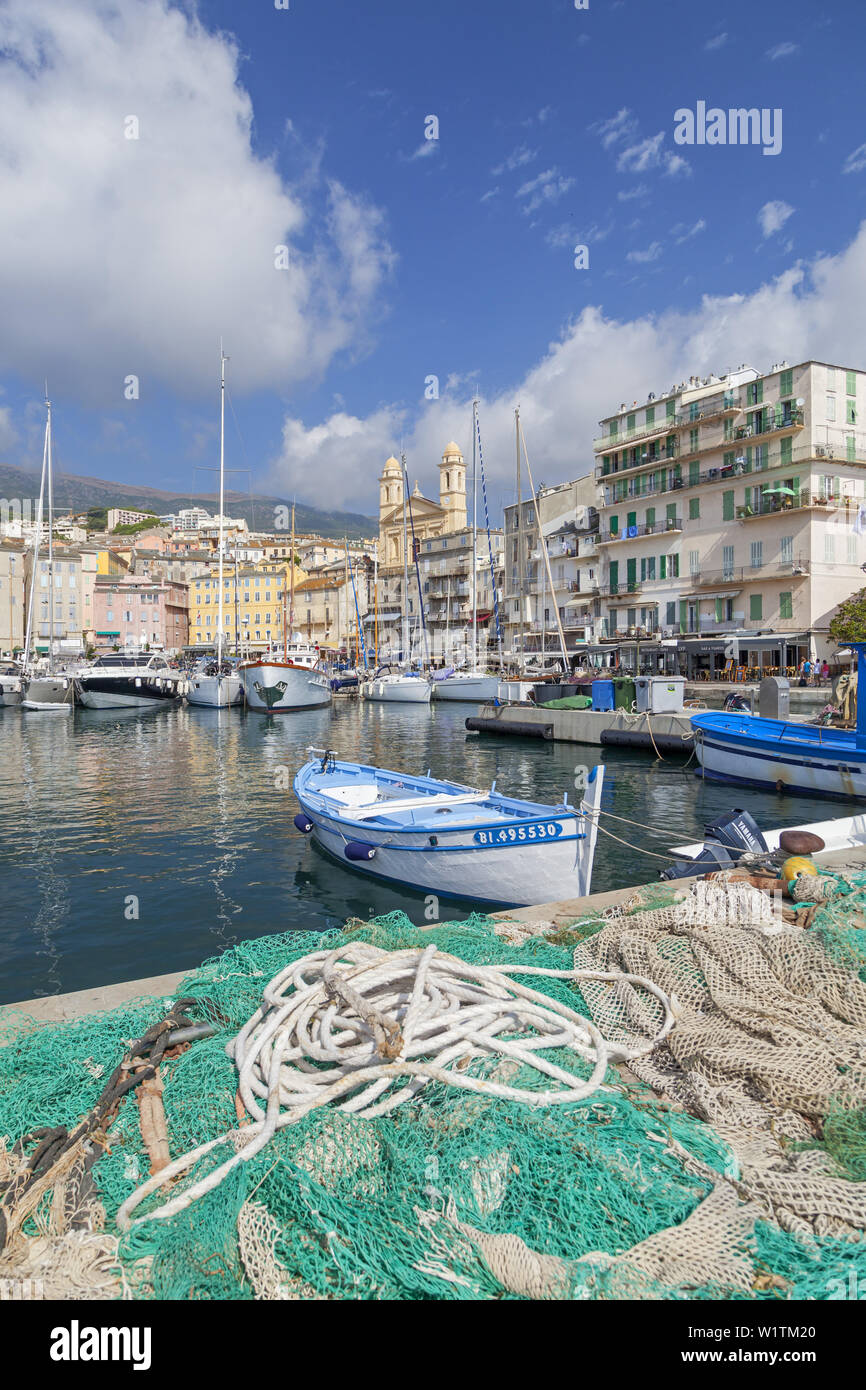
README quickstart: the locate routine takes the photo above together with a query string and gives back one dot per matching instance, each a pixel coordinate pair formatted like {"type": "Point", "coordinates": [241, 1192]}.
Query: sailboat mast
{"type": "Point", "coordinates": [220, 622]}
{"type": "Point", "coordinates": [36, 541]}
{"type": "Point", "coordinates": [292, 580]}
{"type": "Point", "coordinates": [474, 536]}
{"type": "Point", "coordinates": [405, 608]}
{"type": "Point", "coordinates": [519, 542]}
{"type": "Point", "coordinates": [50, 544]}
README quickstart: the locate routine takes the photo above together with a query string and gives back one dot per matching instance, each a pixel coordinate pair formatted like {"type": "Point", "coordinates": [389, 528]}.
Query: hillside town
{"type": "Point", "coordinates": [719, 523]}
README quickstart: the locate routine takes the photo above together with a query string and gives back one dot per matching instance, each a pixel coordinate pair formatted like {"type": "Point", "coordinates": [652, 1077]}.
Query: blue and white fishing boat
{"type": "Point", "coordinates": [774, 753]}
{"type": "Point", "coordinates": [444, 838]}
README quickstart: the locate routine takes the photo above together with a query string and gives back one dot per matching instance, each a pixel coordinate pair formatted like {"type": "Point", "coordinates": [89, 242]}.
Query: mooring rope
{"type": "Point", "coordinates": [342, 1025]}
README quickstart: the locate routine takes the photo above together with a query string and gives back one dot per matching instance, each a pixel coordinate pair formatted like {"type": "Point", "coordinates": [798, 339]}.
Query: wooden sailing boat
{"type": "Point", "coordinates": [44, 692]}
{"type": "Point", "coordinates": [217, 685]}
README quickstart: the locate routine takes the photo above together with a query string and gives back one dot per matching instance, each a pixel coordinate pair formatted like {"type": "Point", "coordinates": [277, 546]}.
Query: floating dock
{"type": "Point", "coordinates": [661, 733]}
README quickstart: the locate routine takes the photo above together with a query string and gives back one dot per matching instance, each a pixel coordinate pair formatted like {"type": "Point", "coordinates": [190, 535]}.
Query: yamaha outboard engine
{"type": "Point", "coordinates": [726, 840]}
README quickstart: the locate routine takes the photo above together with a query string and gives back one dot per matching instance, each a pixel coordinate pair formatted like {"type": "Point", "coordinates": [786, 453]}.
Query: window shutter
{"type": "Point", "coordinates": [718, 610]}
{"type": "Point", "coordinates": [727, 506]}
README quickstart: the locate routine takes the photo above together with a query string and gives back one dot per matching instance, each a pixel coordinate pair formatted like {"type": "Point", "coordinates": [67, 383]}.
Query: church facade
{"type": "Point", "coordinates": [429, 519]}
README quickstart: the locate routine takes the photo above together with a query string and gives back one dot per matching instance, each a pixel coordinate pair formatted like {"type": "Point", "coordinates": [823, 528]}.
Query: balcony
{"type": "Point", "coordinates": [715, 409]}
{"type": "Point", "coordinates": [771, 503]}
{"type": "Point", "coordinates": [622, 588]}
{"type": "Point", "coordinates": [792, 419]}
{"type": "Point", "coordinates": [605, 442]}
{"type": "Point", "coordinates": [739, 574]}
{"type": "Point", "coordinates": [632, 533]}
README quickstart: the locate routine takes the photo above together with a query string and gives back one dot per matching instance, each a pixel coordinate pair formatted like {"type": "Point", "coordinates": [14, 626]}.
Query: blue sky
{"type": "Point", "coordinates": [408, 257]}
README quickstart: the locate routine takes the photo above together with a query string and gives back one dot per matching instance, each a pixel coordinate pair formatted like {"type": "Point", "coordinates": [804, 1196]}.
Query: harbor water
{"type": "Point", "coordinates": [136, 844]}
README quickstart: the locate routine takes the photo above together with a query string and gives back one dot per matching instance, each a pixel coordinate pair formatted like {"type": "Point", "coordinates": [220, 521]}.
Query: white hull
{"type": "Point", "coordinates": [279, 687]}
{"type": "Point", "coordinates": [47, 693]}
{"type": "Point", "coordinates": [477, 688]}
{"type": "Point", "coordinates": [216, 692]}
{"type": "Point", "coordinates": [10, 692]}
{"type": "Point", "coordinates": [738, 766]}
{"type": "Point", "coordinates": [101, 699]}
{"type": "Point", "coordinates": [411, 690]}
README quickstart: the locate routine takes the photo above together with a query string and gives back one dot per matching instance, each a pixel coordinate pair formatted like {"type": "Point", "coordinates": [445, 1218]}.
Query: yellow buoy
{"type": "Point", "coordinates": [797, 864]}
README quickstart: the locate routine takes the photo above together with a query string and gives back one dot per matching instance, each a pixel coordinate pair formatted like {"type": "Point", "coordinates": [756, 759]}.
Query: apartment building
{"type": "Point", "coordinates": [569, 526]}
{"type": "Point", "coordinates": [140, 613]}
{"type": "Point", "coordinates": [330, 607]}
{"type": "Point", "coordinates": [255, 604]}
{"type": "Point", "coordinates": [729, 513]}
{"type": "Point", "coordinates": [60, 603]}
{"type": "Point", "coordinates": [125, 516]}
{"type": "Point", "coordinates": [13, 617]}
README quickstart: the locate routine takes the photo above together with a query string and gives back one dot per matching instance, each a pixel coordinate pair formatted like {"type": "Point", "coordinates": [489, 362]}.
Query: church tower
{"type": "Point", "coordinates": [452, 488]}
{"type": "Point", "coordinates": [390, 496]}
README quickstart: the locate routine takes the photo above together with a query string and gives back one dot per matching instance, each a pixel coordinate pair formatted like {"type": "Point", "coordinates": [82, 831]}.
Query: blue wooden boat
{"type": "Point", "coordinates": [448, 839]}
{"type": "Point", "coordinates": [773, 753]}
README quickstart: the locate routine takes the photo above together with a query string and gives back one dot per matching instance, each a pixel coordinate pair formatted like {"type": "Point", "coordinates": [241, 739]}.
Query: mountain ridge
{"type": "Point", "coordinates": [78, 492]}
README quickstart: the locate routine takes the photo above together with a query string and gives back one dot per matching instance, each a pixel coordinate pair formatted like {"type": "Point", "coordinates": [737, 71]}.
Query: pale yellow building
{"type": "Point", "coordinates": [13, 617]}
{"type": "Point", "coordinates": [256, 602]}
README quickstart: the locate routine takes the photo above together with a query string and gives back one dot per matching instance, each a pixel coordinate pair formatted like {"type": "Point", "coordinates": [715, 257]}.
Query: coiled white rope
{"type": "Point", "coordinates": [342, 1025]}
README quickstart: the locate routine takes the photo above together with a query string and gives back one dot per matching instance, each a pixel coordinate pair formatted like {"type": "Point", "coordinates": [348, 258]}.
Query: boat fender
{"type": "Point", "coordinates": [303, 823]}
{"type": "Point", "coordinates": [356, 849]}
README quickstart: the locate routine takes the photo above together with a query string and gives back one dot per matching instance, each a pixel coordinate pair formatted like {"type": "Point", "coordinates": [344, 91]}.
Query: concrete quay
{"type": "Point", "coordinates": [666, 733]}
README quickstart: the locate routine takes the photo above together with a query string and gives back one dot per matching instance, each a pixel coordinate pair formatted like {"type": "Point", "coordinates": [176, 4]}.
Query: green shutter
{"type": "Point", "coordinates": [650, 516]}
{"type": "Point", "coordinates": [684, 613]}
{"type": "Point", "coordinates": [629, 422]}
{"type": "Point", "coordinates": [613, 429]}
{"type": "Point", "coordinates": [663, 562]}
{"type": "Point", "coordinates": [631, 573]}
{"type": "Point", "coordinates": [787, 450]}
{"type": "Point", "coordinates": [728, 459]}
{"type": "Point", "coordinates": [786, 606]}
{"type": "Point", "coordinates": [756, 607]}
{"type": "Point", "coordinates": [749, 458]}
{"type": "Point", "coordinates": [670, 409]}
{"type": "Point", "coordinates": [650, 415]}
{"type": "Point", "coordinates": [786, 383]}
{"type": "Point", "coordinates": [671, 511]}
{"type": "Point", "coordinates": [614, 525]}
{"type": "Point", "coordinates": [850, 383]}
{"type": "Point", "coordinates": [727, 506]}
{"type": "Point", "coordinates": [675, 565]}
{"type": "Point", "coordinates": [795, 484]}
{"type": "Point", "coordinates": [694, 508]}
{"type": "Point", "coordinates": [642, 569]}
{"type": "Point", "coordinates": [631, 519]}
{"type": "Point", "coordinates": [694, 473]}
{"type": "Point", "coordinates": [850, 448]}
{"type": "Point", "coordinates": [614, 576]}
{"type": "Point", "coordinates": [759, 392]}
{"type": "Point", "coordinates": [718, 610]}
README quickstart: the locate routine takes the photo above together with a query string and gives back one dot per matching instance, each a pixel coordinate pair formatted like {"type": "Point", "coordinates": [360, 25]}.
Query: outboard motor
{"type": "Point", "coordinates": [726, 840]}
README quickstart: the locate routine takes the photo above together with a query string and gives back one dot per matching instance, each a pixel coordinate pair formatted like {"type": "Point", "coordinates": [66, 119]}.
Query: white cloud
{"type": "Point", "coordinates": [856, 161]}
{"type": "Point", "coordinates": [810, 310]}
{"type": "Point", "coordinates": [491, 193]}
{"type": "Point", "coordinates": [8, 433]}
{"type": "Point", "coordinates": [547, 187]}
{"type": "Point", "coordinates": [782, 50]}
{"type": "Point", "coordinates": [718, 41]}
{"type": "Point", "coordinates": [638, 154]}
{"type": "Point", "coordinates": [625, 195]}
{"type": "Point", "coordinates": [683, 233]}
{"type": "Point", "coordinates": [773, 216]}
{"type": "Point", "coordinates": [520, 156]}
{"type": "Point", "coordinates": [425, 149]}
{"type": "Point", "coordinates": [135, 255]}
{"type": "Point", "coordinates": [652, 253]}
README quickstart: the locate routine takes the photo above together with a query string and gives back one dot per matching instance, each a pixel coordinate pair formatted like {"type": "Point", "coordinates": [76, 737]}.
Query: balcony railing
{"type": "Point", "coordinates": [604, 442]}
{"type": "Point", "coordinates": [630, 533]}
{"type": "Point", "coordinates": [626, 586]}
{"type": "Point", "coordinates": [791, 419]}
{"type": "Point", "coordinates": [769, 504]}
{"type": "Point", "coordinates": [738, 574]}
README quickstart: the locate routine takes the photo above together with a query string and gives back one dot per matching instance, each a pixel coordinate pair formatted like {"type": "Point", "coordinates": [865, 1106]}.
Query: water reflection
{"type": "Point", "coordinates": [190, 811]}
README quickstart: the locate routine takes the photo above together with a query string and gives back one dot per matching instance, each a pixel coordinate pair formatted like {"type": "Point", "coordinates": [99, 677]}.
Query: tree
{"type": "Point", "coordinates": [848, 623]}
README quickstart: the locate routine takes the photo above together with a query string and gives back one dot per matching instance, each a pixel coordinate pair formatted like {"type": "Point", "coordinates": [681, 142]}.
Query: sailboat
{"type": "Point", "coordinates": [44, 691]}
{"type": "Point", "coordinates": [291, 679]}
{"type": "Point", "coordinates": [216, 685]}
{"type": "Point", "coordinates": [473, 683]}
{"type": "Point", "coordinates": [401, 685]}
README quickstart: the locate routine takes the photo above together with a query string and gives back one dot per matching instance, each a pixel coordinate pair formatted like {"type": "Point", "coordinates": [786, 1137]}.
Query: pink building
{"type": "Point", "coordinates": [140, 612]}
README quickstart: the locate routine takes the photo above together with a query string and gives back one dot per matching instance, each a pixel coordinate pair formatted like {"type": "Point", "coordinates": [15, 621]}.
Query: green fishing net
{"type": "Point", "coordinates": [337, 1206]}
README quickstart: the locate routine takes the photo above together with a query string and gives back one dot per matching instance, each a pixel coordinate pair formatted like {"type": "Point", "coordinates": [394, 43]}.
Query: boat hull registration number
{"type": "Point", "coordinates": [515, 834]}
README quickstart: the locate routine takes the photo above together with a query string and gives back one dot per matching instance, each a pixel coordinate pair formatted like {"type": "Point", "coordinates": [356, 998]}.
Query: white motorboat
{"type": "Point", "coordinates": [469, 685]}
{"type": "Point", "coordinates": [10, 684]}
{"type": "Point", "coordinates": [283, 681]}
{"type": "Point", "coordinates": [444, 838]}
{"type": "Point", "coordinates": [403, 687]}
{"type": "Point", "coordinates": [51, 693]}
{"type": "Point", "coordinates": [130, 682]}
